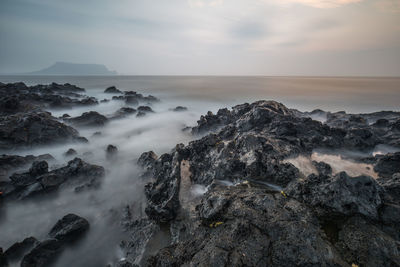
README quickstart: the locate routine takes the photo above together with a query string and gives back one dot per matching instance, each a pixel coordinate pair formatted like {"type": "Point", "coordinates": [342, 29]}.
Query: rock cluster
{"type": "Point", "coordinates": [38, 180]}
{"type": "Point", "coordinates": [34, 253]}
{"type": "Point", "coordinates": [260, 210]}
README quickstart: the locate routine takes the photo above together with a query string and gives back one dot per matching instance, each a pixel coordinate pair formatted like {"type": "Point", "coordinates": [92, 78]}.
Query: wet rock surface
{"type": "Point", "coordinates": [260, 210]}
{"type": "Point", "coordinates": [69, 228]}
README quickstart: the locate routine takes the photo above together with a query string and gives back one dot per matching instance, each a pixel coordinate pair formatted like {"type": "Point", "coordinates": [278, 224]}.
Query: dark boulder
{"type": "Point", "coordinates": [34, 129]}
{"type": "Point", "coordinates": [3, 259]}
{"type": "Point", "coordinates": [43, 254]}
{"type": "Point", "coordinates": [112, 90]}
{"type": "Point", "coordinates": [70, 152]}
{"type": "Point", "coordinates": [143, 110]}
{"type": "Point", "coordinates": [123, 112]}
{"type": "Point", "coordinates": [131, 100]}
{"type": "Point", "coordinates": [147, 159]}
{"type": "Point", "coordinates": [180, 108]}
{"type": "Point", "coordinates": [111, 151]}
{"type": "Point", "coordinates": [19, 249]}
{"type": "Point", "coordinates": [77, 173]}
{"type": "Point", "coordinates": [87, 119]}
{"type": "Point", "coordinates": [69, 228]}
{"type": "Point", "coordinates": [39, 168]}
{"type": "Point", "coordinates": [15, 163]}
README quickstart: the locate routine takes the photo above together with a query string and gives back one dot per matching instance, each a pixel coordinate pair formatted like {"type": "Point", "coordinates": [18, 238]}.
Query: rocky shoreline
{"type": "Point", "coordinates": [231, 197]}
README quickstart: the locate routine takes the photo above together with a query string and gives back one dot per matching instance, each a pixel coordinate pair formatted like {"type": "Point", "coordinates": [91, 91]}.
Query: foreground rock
{"type": "Point", "coordinates": [33, 129]}
{"type": "Point", "coordinates": [38, 180]}
{"type": "Point", "coordinates": [260, 210]}
{"type": "Point", "coordinates": [43, 254]}
{"type": "Point", "coordinates": [70, 228]}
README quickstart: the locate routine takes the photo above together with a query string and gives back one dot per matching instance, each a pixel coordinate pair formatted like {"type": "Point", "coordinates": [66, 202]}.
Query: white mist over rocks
{"type": "Point", "coordinates": [159, 131]}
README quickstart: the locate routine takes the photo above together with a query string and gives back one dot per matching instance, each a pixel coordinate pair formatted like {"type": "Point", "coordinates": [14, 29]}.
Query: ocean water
{"type": "Point", "coordinates": [160, 132]}
{"type": "Point", "coordinates": [352, 94]}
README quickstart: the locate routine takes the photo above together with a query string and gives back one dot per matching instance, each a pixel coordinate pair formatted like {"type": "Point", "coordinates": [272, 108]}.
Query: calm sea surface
{"type": "Point", "coordinates": [304, 93]}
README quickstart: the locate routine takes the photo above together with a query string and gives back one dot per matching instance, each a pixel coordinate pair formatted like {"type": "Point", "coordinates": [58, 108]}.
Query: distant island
{"type": "Point", "coordinates": [65, 68]}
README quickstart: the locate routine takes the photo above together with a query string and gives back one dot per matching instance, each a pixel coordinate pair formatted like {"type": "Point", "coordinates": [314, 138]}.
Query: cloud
{"type": "Point", "coordinates": [320, 3]}
{"type": "Point", "coordinates": [391, 6]}
{"type": "Point", "coordinates": [204, 3]}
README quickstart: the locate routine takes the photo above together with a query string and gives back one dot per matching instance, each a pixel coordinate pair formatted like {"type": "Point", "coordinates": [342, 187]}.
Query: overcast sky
{"type": "Point", "coordinates": [204, 37]}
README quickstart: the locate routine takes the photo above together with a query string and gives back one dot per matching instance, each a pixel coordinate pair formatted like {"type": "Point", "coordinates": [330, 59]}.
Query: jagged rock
{"type": "Point", "coordinates": [388, 165]}
{"type": "Point", "coordinates": [77, 173]}
{"type": "Point", "coordinates": [249, 227]}
{"type": "Point", "coordinates": [34, 129]}
{"type": "Point", "coordinates": [19, 249]}
{"type": "Point", "coordinates": [43, 254]}
{"type": "Point", "coordinates": [259, 209]}
{"type": "Point", "coordinates": [339, 195]}
{"type": "Point", "coordinates": [69, 228]}
{"type": "Point", "coordinates": [112, 90]}
{"type": "Point", "coordinates": [17, 97]}
{"type": "Point", "coordinates": [139, 233]}
{"type": "Point", "coordinates": [392, 188]}
{"type": "Point", "coordinates": [364, 244]}
{"type": "Point", "coordinates": [12, 163]}
{"type": "Point", "coordinates": [147, 159]}
{"type": "Point", "coordinates": [39, 168]}
{"type": "Point", "coordinates": [91, 118]}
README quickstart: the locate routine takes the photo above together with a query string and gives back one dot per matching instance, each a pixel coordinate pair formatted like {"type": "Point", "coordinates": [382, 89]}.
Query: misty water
{"type": "Point", "coordinates": [160, 132]}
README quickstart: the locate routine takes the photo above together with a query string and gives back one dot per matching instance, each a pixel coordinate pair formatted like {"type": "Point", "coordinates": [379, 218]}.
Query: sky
{"type": "Point", "coordinates": [204, 37]}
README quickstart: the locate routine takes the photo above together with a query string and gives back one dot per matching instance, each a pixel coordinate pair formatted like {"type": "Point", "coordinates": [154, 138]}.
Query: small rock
{"type": "Point", "coordinates": [180, 108]}
{"type": "Point", "coordinates": [70, 152]}
{"type": "Point", "coordinates": [111, 151]}
{"type": "Point", "coordinates": [112, 90]}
